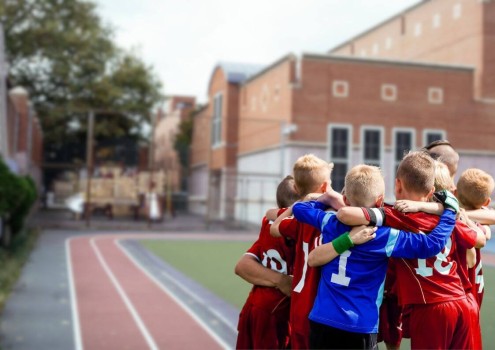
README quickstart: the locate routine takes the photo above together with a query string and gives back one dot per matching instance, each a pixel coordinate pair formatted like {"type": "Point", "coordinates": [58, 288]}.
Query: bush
{"type": "Point", "coordinates": [17, 195]}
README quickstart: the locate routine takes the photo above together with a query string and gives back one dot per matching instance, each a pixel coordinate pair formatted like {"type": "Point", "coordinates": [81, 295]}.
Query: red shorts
{"type": "Point", "coordinates": [260, 328]}
{"type": "Point", "coordinates": [475, 322]}
{"type": "Point", "coordinates": [390, 327]}
{"type": "Point", "coordinates": [444, 325]}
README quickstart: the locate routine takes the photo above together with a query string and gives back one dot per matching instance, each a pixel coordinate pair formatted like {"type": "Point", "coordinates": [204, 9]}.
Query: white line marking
{"type": "Point", "coordinates": [78, 345]}
{"type": "Point", "coordinates": [186, 308]}
{"type": "Point", "coordinates": [144, 331]}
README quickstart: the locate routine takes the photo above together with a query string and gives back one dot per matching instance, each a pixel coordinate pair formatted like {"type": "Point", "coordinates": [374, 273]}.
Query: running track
{"type": "Point", "coordinates": [119, 302]}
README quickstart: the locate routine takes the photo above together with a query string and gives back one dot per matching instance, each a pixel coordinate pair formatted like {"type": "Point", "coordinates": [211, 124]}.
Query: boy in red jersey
{"type": "Point", "coordinates": [264, 319]}
{"type": "Point", "coordinates": [311, 175]}
{"type": "Point", "coordinates": [474, 189]}
{"type": "Point", "coordinates": [465, 254]}
{"type": "Point", "coordinates": [431, 288]}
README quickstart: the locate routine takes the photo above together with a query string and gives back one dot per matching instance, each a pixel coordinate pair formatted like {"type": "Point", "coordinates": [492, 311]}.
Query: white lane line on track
{"type": "Point", "coordinates": [144, 331]}
{"type": "Point", "coordinates": [76, 328]}
{"type": "Point", "coordinates": [186, 308]}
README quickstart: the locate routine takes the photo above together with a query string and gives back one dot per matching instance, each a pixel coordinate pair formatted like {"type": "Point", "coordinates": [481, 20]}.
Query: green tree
{"type": "Point", "coordinates": [63, 54]}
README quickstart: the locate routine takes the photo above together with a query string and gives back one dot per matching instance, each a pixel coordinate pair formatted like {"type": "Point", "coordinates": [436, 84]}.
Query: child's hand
{"type": "Point", "coordinates": [362, 234]}
{"type": "Point", "coordinates": [285, 284]}
{"type": "Point", "coordinates": [407, 206]}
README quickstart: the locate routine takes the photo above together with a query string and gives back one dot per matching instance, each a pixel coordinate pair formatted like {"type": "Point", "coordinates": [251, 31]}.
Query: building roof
{"type": "Point", "coordinates": [237, 73]}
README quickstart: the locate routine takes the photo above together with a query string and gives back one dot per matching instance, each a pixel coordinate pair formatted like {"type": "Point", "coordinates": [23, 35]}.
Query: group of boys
{"type": "Point", "coordinates": [430, 290]}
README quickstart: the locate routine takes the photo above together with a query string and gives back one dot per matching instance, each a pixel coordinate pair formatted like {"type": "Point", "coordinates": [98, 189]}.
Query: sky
{"type": "Point", "coordinates": [183, 40]}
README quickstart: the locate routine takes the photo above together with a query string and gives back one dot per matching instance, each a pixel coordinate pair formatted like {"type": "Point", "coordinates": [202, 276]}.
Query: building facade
{"type": "Point", "coordinates": [425, 74]}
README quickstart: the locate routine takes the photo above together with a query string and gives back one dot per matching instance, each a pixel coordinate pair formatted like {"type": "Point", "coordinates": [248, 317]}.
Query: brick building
{"type": "Point", "coordinates": [427, 73]}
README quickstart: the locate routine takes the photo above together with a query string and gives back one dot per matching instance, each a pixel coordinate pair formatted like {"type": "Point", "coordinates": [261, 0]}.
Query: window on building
{"type": "Point", "coordinates": [418, 29]}
{"type": "Point", "coordinates": [340, 88]}
{"type": "Point", "coordinates": [388, 92]}
{"type": "Point", "coordinates": [216, 121]}
{"type": "Point", "coordinates": [339, 144]}
{"type": "Point", "coordinates": [403, 142]}
{"type": "Point", "coordinates": [436, 21]}
{"type": "Point", "coordinates": [435, 95]}
{"type": "Point", "coordinates": [388, 43]}
{"type": "Point", "coordinates": [433, 135]}
{"type": "Point", "coordinates": [457, 11]}
{"type": "Point", "coordinates": [372, 143]}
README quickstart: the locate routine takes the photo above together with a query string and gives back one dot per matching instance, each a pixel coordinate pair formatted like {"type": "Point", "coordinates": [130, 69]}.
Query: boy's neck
{"type": "Point", "coordinates": [414, 197]}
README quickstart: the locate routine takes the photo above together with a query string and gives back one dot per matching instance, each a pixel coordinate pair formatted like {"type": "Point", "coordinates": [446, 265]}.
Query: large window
{"type": "Point", "coordinates": [372, 145]}
{"type": "Point", "coordinates": [339, 145]}
{"type": "Point", "coordinates": [216, 121]}
{"type": "Point", "coordinates": [403, 142]}
{"type": "Point", "coordinates": [433, 135]}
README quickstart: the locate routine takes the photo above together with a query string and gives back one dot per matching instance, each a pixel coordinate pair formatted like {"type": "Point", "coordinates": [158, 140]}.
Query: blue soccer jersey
{"type": "Point", "coordinates": [351, 286]}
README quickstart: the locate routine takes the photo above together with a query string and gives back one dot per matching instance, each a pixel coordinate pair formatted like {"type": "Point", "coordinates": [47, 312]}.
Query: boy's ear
{"type": "Point", "coordinates": [379, 201]}
{"type": "Point", "coordinates": [430, 194]}
{"type": "Point", "coordinates": [487, 202]}
{"type": "Point", "coordinates": [398, 186]}
{"type": "Point", "coordinates": [346, 201]}
{"type": "Point", "coordinates": [323, 187]}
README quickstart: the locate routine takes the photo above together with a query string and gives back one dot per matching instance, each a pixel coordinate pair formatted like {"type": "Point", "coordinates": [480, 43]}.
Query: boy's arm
{"type": "Point", "coordinates": [329, 251]}
{"type": "Point", "coordinates": [480, 232]}
{"type": "Point", "coordinates": [413, 245]}
{"type": "Point", "coordinates": [408, 206]}
{"type": "Point", "coordinates": [271, 214]}
{"type": "Point", "coordinates": [250, 270]}
{"type": "Point", "coordinates": [483, 216]}
{"type": "Point", "coordinates": [352, 216]}
{"type": "Point", "coordinates": [275, 227]}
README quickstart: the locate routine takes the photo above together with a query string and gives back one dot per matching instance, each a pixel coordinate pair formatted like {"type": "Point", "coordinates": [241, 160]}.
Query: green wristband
{"type": "Point", "coordinates": [342, 243]}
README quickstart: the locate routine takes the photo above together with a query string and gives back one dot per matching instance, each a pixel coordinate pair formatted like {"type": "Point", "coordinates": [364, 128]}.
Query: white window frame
{"type": "Point", "coordinates": [431, 131]}
{"type": "Point", "coordinates": [381, 130]}
{"type": "Point", "coordinates": [418, 29]}
{"type": "Point", "coordinates": [375, 49]}
{"type": "Point", "coordinates": [388, 43]}
{"type": "Point", "coordinates": [437, 20]}
{"type": "Point", "coordinates": [395, 131]}
{"type": "Point", "coordinates": [216, 121]}
{"type": "Point", "coordinates": [349, 128]}
{"type": "Point", "coordinates": [457, 11]}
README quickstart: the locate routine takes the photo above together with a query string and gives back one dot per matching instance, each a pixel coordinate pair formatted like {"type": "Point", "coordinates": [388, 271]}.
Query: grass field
{"type": "Point", "coordinates": [211, 263]}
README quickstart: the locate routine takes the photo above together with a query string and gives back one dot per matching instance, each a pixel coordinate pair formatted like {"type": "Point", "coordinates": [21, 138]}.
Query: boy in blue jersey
{"type": "Point", "coordinates": [345, 312]}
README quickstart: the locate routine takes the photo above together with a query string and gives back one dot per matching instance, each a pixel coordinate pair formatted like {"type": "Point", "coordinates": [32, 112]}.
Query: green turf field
{"type": "Point", "coordinates": [211, 263]}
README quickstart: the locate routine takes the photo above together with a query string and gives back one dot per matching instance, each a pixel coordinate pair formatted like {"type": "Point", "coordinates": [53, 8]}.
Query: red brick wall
{"type": "Point", "coordinates": [201, 137]}
{"type": "Point", "coordinates": [266, 102]}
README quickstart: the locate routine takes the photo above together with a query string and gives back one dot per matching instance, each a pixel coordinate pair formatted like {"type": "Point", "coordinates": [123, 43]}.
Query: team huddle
{"type": "Point", "coordinates": [345, 270]}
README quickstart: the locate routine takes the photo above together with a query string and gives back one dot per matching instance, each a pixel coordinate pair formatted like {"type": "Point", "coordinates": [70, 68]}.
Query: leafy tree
{"type": "Point", "coordinates": [63, 54]}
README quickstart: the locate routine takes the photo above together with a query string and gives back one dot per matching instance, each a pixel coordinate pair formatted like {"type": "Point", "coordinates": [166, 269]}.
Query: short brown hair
{"type": "Point", "coordinates": [474, 187]}
{"type": "Point", "coordinates": [417, 172]}
{"type": "Point", "coordinates": [310, 172]}
{"type": "Point", "coordinates": [363, 185]}
{"type": "Point", "coordinates": [443, 151]}
{"type": "Point", "coordinates": [286, 192]}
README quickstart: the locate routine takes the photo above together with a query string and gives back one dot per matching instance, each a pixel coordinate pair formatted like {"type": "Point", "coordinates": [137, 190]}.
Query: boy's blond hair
{"type": "Point", "coordinates": [364, 185]}
{"type": "Point", "coordinates": [417, 172]}
{"type": "Point", "coordinates": [474, 188]}
{"type": "Point", "coordinates": [443, 180]}
{"type": "Point", "coordinates": [286, 192]}
{"type": "Point", "coordinates": [310, 172]}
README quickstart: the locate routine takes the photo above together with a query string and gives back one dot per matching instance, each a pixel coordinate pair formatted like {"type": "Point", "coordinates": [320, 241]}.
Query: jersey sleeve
{"type": "Point", "coordinates": [288, 228]}
{"type": "Point", "coordinates": [313, 213]}
{"type": "Point", "coordinates": [465, 236]}
{"type": "Point", "coordinates": [413, 245]}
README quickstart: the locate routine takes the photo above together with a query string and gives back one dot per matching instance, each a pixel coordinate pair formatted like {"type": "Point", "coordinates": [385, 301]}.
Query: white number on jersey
{"type": "Point", "coordinates": [441, 258]}
{"type": "Point", "coordinates": [300, 285]}
{"type": "Point", "coordinates": [274, 261]}
{"type": "Point", "coordinates": [479, 278]}
{"type": "Point", "coordinates": [341, 278]}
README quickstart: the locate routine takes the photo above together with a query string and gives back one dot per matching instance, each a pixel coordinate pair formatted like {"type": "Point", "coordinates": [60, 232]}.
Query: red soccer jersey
{"type": "Point", "coordinates": [273, 253]}
{"type": "Point", "coordinates": [476, 278]}
{"type": "Point", "coordinates": [264, 319]}
{"type": "Point", "coordinates": [306, 278]}
{"type": "Point", "coordinates": [426, 281]}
